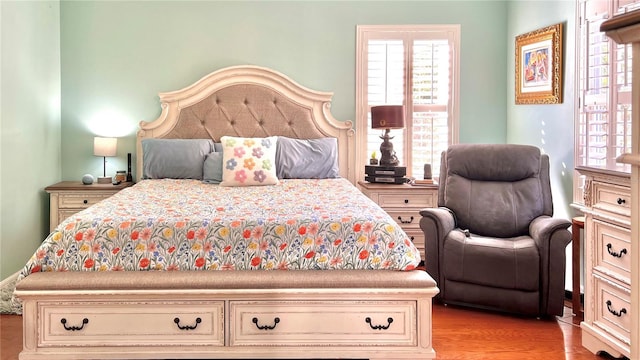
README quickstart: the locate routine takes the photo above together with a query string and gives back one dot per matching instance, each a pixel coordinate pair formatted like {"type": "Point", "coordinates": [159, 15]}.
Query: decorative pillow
{"type": "Point", "coordinates": [212, 172]}
{"type": "Point", "coordinates": [248, 161]}
{"type": "Point", "coordinates": [307, 159]}
{"type": "Point", "coordinates": [174, 158]}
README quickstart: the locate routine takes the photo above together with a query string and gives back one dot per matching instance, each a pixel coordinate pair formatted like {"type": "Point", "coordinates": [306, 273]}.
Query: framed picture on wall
{"type": "Point", "coordinates": [539, 66]}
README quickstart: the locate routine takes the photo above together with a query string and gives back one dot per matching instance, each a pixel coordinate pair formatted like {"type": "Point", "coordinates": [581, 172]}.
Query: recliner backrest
{"type": "Point", "coordinates": [495, 189]}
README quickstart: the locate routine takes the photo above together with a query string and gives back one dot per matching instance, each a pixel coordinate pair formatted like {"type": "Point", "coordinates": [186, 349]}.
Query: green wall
{"type": "Point", "coordinates": [549, 127]}
{"type": "Point", "coordinates": [117, 56]}
{"type": "Point", "coordinates": [29, 125]}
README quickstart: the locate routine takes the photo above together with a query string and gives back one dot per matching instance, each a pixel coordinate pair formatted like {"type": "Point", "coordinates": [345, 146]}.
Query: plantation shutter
{"type": "Point", "coordinates": [413, 69]}
{"type": "Point", "coordinates": [603, 129]}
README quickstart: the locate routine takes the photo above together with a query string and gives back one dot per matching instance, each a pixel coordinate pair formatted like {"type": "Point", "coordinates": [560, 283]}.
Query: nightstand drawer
{"type": "Point", "coordinates": [407, 219]}
{"type": "Point", "coordinates": [80, 201]}
{"type": "Point", "coordinates": [406, 199]}
{"type": "Point", "coordinates": [325, 323]}
{"type": "Point", "coordinates": [64, 214]}
{"type": "Point", "coordinates": [417, 237]}
{"type": "Point", "coordinates": [613, 246]}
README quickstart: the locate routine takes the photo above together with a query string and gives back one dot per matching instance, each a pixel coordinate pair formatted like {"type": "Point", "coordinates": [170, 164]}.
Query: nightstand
{"type": "Point", "coordinates": [69, 197]}
{"type": "Point", "coordinates": [403, 203]}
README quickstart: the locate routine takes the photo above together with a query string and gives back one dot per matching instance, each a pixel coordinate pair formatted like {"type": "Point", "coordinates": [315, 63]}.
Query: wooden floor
{"type": "Point", "coordinates": [458, 333]}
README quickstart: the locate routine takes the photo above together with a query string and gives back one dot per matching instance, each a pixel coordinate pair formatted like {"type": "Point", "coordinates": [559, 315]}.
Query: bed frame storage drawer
{"type": "Point", "coordinates": [131, 324]}
{"type": "Point", "coordinates": [379, 323]}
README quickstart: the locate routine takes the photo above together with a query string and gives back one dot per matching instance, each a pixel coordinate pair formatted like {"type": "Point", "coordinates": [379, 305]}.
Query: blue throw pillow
{"type": "Point", "coordinates": [174, 158]}
{"type": "Point", "coordinates": [307, 159]}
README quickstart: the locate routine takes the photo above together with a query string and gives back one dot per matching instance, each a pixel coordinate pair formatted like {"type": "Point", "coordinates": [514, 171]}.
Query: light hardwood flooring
{"type": "Point", "coordinates": [458, 333]}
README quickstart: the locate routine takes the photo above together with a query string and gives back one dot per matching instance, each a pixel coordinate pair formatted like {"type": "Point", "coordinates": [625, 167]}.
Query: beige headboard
{"type": "Point", "coordinates": [249, 101]}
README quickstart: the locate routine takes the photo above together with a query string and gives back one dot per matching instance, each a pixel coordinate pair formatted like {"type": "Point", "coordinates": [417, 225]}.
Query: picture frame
{"type": "Point", "coordinates": [539, 66]}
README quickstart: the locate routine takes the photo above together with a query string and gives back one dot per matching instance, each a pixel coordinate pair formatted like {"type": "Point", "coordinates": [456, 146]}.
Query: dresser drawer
{"type": "Point", "coordinates": [613, 245]}
{"type": "Point", "coordinates": [80, 201]}
{"type": "Point", "coordinates": [613, 309]}
{"type": "Point", "coordinates": [131, 324]}
{"type": "Point", "coordinates": [611, 198]}
{"type": "Point", "coordinates": [308, 323]}
{"type": "Point", "coordinates": [409, 199]}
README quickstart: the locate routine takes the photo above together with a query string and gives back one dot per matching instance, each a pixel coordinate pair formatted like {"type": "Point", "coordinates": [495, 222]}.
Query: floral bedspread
{"type": "Point", "coordinates": [188, 225]}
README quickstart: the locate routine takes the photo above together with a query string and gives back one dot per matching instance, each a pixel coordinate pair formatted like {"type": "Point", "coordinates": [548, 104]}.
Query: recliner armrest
{"type": "Point", "coordinates": [442, 216]}
{"type": "Point", "coordinates": [552, 237]}
{"type": "Point", "coordinates": [543, 227]}
{"type": "Point", "coordinates": [435, 223]}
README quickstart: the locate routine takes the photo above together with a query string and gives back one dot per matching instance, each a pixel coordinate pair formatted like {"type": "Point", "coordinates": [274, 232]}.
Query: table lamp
{"type": "Point", "coordinates": [387, 117]}
{"type": "Point", "coordinates": [103, 146]}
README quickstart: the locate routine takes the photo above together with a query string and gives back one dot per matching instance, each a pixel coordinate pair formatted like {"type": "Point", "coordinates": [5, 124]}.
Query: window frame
{"type": "Point", "coordinates": [379, 32]}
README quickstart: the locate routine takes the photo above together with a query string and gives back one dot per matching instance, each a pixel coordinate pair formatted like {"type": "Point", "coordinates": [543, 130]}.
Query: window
{"type": "Point", "coordinates": [603, 124]}
{"type": "Point", "coordinates": [415, 66]}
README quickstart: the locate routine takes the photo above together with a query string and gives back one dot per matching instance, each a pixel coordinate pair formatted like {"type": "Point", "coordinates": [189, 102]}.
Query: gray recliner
{"type": "Point", "coordinates": [492, 242]}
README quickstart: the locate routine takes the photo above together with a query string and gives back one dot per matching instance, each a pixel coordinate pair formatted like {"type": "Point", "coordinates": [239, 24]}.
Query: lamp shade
{"type": "Point", "coordinates": [103, 146]}
{"type": "Point", "coordinates": [387, 117]}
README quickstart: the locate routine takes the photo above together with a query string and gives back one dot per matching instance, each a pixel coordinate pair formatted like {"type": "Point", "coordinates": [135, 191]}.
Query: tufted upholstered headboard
{"type": "Point", "coordinates": [249, 101]}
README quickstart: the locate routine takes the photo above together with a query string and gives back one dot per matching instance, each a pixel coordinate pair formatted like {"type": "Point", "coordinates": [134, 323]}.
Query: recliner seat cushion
{"type": "Point", "coordinates": [511, 263]}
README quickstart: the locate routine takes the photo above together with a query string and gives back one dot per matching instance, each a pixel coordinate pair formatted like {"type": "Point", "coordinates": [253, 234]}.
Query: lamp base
{"type": "Point", "coordinates": [388, 157]}
{"type": "Point", "coordinates": [104, 180]}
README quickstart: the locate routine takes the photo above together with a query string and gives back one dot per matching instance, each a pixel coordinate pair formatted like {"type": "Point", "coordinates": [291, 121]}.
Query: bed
{"type": "Point", "coordinates": [270, 251]}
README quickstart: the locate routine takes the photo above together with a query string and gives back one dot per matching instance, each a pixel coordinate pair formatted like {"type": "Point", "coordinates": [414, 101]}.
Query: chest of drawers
{"type": "Point", "coordinates": [607, 311]}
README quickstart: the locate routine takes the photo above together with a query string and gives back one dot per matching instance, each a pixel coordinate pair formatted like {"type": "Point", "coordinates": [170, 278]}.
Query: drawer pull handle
{"type": "Point", "coordinates": [379, 327]}
{"type": "Point", "coordinates": [616, 313]}
{"type": "Point", "coordinates": [266, 327]}
{"type": "Point", "coordinates": [85, 201]}
{"type": "Point", "coordinates": [187, 327]}
{"type": "Point", "coordinates": [615, 254]}
{"type": "Point", "coordinates": [74, 328]}
{"type": "Point", "coordinates": [406, 201]}
{"type": "Point", "coordinates": [405, 221]}
{"type": "Point", "coordinates": [621, 201]}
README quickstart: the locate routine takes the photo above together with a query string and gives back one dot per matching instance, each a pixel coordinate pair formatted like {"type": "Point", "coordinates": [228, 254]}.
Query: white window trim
{"type": "Point", "coordinates": [362, 158]}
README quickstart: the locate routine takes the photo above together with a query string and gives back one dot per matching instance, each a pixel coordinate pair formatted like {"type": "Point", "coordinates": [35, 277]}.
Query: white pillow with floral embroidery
{"type": "Point", "coordinates": [248, 161]}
